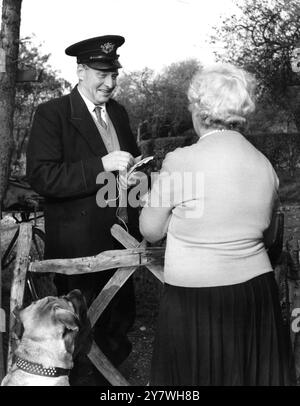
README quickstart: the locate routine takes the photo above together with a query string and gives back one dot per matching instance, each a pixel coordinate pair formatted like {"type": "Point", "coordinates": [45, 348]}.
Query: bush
{"type": "Point", "coordinates": [282, 149]}
{"type": "Point", "coordinates": [159, 147]}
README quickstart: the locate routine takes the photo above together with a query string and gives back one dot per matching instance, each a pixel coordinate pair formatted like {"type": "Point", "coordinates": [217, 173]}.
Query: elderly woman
{"type": "Point", "coordinates": [220, 320]}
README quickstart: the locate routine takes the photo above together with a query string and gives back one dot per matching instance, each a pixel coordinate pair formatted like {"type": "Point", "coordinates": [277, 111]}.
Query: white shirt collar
{"type": "Point", "coordinates": [90, 105]}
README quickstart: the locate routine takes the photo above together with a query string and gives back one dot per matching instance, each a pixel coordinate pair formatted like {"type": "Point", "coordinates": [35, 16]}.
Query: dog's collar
{"type": "Point", "coordinates": [38, 369]}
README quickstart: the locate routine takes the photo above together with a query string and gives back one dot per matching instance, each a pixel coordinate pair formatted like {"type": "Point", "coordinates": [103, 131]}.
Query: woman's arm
{"type": "Point", "coordinates": [156, 214]}
{"type": "Point", "coordinates": [270, 234]}
{"type": "Point", "coordinates": [154, 222]}
{"type": "Point", "coordinates": [273, 235]}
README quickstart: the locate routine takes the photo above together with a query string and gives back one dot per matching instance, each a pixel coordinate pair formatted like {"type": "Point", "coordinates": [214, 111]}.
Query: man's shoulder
{"type": "Point", "coordinates": [57, 103]}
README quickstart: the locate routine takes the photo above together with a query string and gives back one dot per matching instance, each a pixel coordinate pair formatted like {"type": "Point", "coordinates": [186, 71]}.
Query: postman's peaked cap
{"type": "Point", "coordinates": [98, 52]}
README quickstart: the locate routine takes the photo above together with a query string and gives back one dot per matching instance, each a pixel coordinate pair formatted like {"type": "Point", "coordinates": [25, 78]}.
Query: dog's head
{"type": "Point", "coordinates": [56, 318]}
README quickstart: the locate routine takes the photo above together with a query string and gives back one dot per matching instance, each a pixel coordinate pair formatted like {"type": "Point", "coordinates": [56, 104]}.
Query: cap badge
{"type": "Point", "coordinates": [107, 47]}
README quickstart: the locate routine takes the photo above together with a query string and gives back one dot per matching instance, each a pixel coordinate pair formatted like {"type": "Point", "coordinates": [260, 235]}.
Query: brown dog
{"type": "Point", "coordinates": [44, 356]}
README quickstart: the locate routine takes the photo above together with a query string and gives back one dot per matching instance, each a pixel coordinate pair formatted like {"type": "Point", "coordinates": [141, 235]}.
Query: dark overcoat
{"type": "Point", "coordinates": [63, 160]}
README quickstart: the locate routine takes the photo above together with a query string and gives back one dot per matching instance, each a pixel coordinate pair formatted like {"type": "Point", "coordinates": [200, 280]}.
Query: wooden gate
{"type": "Point", "coordinates": [127, 261]}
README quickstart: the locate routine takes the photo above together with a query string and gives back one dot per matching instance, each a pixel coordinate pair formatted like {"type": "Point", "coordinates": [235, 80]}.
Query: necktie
{"type": "Point", "coordinates": [99, 111]}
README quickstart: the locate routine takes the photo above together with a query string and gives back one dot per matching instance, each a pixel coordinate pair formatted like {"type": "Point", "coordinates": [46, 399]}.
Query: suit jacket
{"type": "Point", "coordinates": [63, 160]}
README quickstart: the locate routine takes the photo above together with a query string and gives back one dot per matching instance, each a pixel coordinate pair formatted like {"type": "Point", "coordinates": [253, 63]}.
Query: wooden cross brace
{"type": "Point", "coordinates": [104, 298]}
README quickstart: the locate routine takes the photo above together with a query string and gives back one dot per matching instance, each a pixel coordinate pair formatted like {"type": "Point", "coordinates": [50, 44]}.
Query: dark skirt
{"type": "Point", "coordinates": [227, 335]}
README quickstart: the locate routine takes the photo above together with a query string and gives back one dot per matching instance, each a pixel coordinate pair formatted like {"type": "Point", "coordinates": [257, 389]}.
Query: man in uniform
{"type": "Point", "coordinates": [73, 139]}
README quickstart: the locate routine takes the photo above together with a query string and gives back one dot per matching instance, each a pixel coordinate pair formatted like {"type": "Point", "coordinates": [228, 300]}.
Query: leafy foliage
{"type": "Point", "coordinates": [157, 103]}
{"type": "Point", "coordinates": [261, 38]}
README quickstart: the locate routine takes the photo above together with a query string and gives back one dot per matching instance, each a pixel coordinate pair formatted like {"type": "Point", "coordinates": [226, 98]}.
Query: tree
{"type": "Point", "coordinates": [261, 38]}
{"type": "Point", "coordinates": [136, 91]}
{"type": "Point", "coordinates": [158, 101]}
{"type": "Point", "coordinates": [9, 45]}
{"type": "Point", "coordinates": [174, 82]}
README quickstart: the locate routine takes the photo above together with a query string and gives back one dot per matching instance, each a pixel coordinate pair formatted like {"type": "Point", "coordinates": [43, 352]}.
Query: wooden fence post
{"type": "Point", "coordinates": [18, 286]}
{"type": "Point", "coordinates": [294, 300]}
{"type": "Point", "coordinates": [295, 326]}
{"type": "Point", "coordinates": [2, 317]}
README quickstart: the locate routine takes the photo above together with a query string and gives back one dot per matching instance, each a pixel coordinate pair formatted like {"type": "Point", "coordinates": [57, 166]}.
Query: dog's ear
{"type": "Point", "coordinates": [67, 318]}
{"type": "Point", "coordinates": [84, 338]}
{"type": "Point", "coordinates": [78, 301]}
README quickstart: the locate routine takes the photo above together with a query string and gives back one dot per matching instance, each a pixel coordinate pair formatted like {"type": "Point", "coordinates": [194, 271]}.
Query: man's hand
{"type": "Point", "coordinates": [117, 161]}
{"type": "Point", "coordinates": [132, 180]}
{"type": "Point", "coordinates": [126, 181]}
